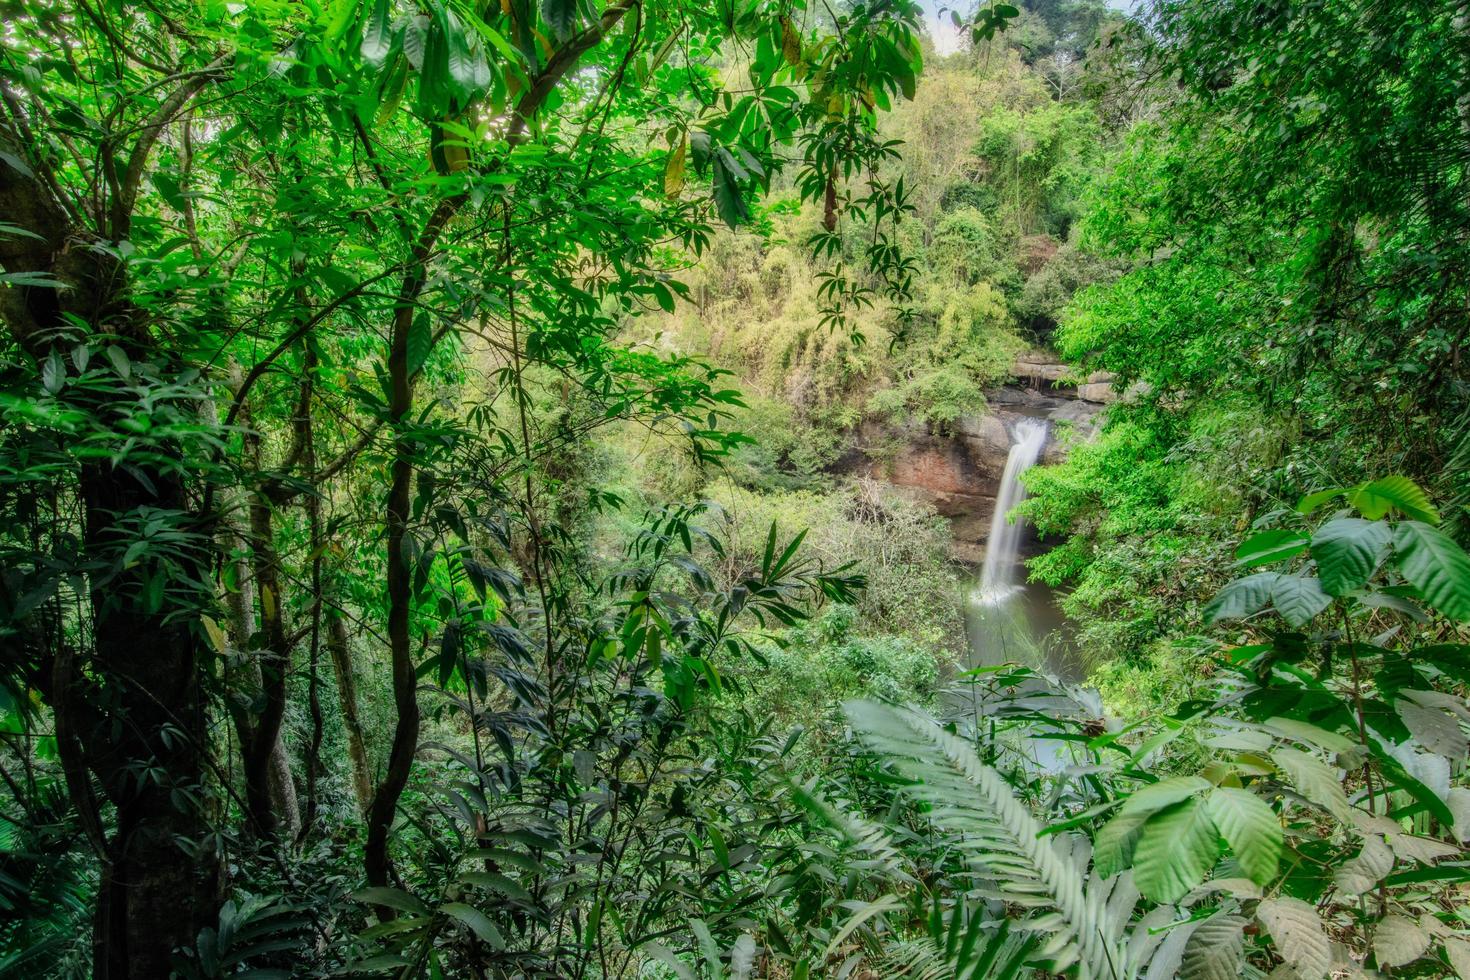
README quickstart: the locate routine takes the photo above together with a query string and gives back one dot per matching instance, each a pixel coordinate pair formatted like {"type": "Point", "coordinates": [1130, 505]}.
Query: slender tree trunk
{"type": "Point", "coordinates": [341, 653]}
{"type": "Point", "coordinates": [265, 761]}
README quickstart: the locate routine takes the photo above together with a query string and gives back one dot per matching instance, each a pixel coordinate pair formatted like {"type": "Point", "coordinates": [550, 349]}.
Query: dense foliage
{"type": "Point", "coordinates": [427, 539]}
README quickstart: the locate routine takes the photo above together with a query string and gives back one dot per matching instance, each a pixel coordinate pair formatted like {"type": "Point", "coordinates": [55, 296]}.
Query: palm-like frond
{"type": "Point", "coordinates": [963, 945]}
{"type": "Point", "coordinates": [1087, 919]}
{"type": "Point", "coordinates": [870, 843]}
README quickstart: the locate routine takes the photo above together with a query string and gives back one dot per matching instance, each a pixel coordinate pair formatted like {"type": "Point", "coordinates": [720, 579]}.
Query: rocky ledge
{"type": "Point", "coordinates": [958, 473]}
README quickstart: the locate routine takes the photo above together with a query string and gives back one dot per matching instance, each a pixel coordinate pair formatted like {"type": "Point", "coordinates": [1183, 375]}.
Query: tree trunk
{"type": "Point", "coordinates": [245, 675]}
{"type": "Point", "coordinates": [162, 879]}
{"type": "Point", "coordinates": [135, 701]}
{"type": "Point", "coordinates": [341, 653]}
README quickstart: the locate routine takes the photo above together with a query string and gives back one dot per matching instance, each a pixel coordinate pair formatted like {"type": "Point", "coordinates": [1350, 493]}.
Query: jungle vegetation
{"type": "Point", "coordinates": [429, 544]}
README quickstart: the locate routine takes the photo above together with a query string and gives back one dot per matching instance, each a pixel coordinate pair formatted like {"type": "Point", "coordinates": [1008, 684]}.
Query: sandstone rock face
{"type": "Point", "coordinates": [959, 474]}
{"type": "Point", "coordinates": [1102, 392]}
{"type": "Point", "coordinates": [1043, 372]}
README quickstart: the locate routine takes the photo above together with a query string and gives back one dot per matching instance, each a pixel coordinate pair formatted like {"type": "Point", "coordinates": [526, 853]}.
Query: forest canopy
{"type": "Point", "coordinates": [525, 489]}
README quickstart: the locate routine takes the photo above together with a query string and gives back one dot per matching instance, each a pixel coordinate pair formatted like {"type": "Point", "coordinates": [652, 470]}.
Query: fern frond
{"type": "Point", "coordinates": [997, 832]}
{"type": "Point", "coordinates": [882, 857]}
{"type": "Point", "coordinates": [964, 945]}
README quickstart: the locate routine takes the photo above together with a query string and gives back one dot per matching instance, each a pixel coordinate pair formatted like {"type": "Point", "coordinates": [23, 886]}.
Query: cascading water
{"type": "Point", "coordinates": [1001, 571]}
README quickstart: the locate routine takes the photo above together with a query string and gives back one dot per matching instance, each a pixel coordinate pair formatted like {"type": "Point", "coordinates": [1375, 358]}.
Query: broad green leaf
{"type": "Point", "coordinates": [1177, 848]}
{"type": "Point", "coordinates": [1298, 934]}
{"type": "Point", "coordinates": [393, 898]}
{"type": "Point", "coordinates": [729, 201]}
{"type": "Point", "coordinates": [497, 883]}
{"type": "Point", "coordinates": [1398, 940]}
{"type": "Point", "coordinates": [420, 341]}
{"type": "Point", "coordinates": [1458, 953]}
{"type": "Point", "coordinates": [1347, 552]}
{"type": "Point", "coordinates": [1116, 842]}
{"type": "Point", "coordinates": [1375, 500]}
{"type": "Point", "coordinates": [1114, 846]}
{"type": "Point", "coordinates": [1251, 828]}
{"type": "Point", "coordinates": [1312, 501]}
{"type": "Point", "coordinates": [708, 948]}
{"type": "Point", "coordinates": [561, 16]}
{"type": "Point", "coordinates": [666, 956]}
{"type": "Point", "coordinates": [1165, 792]}
{"type": "Point", "coordinates": [377, 36]}
{"type": "Point", "coordinates": [1373, 863]}
{"type": "Point", "coordinates": [1302, 731]}
{"type": "Point", "coordinates": [477, 922]}
{"type": "Point", "coordinates": [1241, 598]}
{"type": "Point", "coordinates": [1298, 598]}
{"type": "Point", "coordinates": [1436, 565]}
{"type": "Point", "coordinates": [674, 169]}
{"type": "Point", "coordinates": [1270, 546]}
{"type": "Point", "coordinates": [1436, 730]}
{"type": "Point", "coordinates": [1459, 807]}
{"type": "Point", "coordinates": [742, 957]}
{"type": "Point", "coordinates": [1314, 780]}
{"type": "Point", "coordinates": [36, 280]}
{"type": "Point", "coordinates": [469, 72]}
{"type": "Point", "coordinates": [119, 359]}
{"type": "Point", "coordinates": [1215, 949]}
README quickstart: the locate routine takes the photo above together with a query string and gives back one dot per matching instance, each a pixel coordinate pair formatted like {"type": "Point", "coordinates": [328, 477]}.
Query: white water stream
{"type": "Point", "coordinates": [1001, 573]}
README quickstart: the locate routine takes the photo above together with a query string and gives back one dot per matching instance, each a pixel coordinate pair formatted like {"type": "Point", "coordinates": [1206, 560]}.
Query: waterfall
{"type": "Point", "coordinates": [998, 577]}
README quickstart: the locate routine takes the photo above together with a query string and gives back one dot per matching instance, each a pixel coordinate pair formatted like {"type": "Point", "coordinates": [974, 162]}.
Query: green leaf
{"type": "Point", "coordinates": [392, 898]}
{"type": "Point", "coordinates": [53, 373]}
{"type": "Point", "coordinates": [1116, 843]}
{"type": "Point", "coordinates": [1113, 849]}
{"type": "Point", "coordinates": [1242, 597]}
{"type": "Point", "coordinates": [1177, 849]}
{"type": "Point", "coordinates": [1251, 829]}
{"type": "Point", "coordinates": [666, 956]}
{"type": "Point", "coordinates": [119, 359]}
{"type": "Point", "coordinates": [1299, 936]}
{"type": "Point", "coordinates": [377, 37]}
{"type": "Point", "coordinates": [498, 883]}
{"type": "Point", "coordinates": [674, 169]}
{"type": "Point", "coordinates": [729, 202]}
{"type": "Point", "coordinates": [1436, 565]}
{"type": "Point", "coordinates": [1314, 780]}
{"type": "Point", "coordinates": [1436, 730]}
{"type": "Point", "coordinates": [1347, 552]}
{"type": "Point", "coordinates": [477, 921]}
{"type": "Point", "coordinates": [469, 72]}
{"type": "Point", "coordinates": [1301, 731]}
{"type": "Point", "coordinates": [1166, 792]}
{"type": "Point", "coordinates": [1374, 500]}
{"type": "Point", "coordinates": [1312, 501]}
{"type": "Point", "coordinates": [1270, 546]}
{"type": "Point", "coordinates": [1299, 598]}
{"type": "Point", "coordinates": [420, 341]}
{"type": "Point", "coordinates": [1372, 864]}
{"type": "Point", "coordinates": [1215, 949]}
{"type": "Point", "coordinates": [1398, 941]}
{"type": "Point", "coordinates": [38, 280]}
{"type": "Point", "coordinates": [561, 16]}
